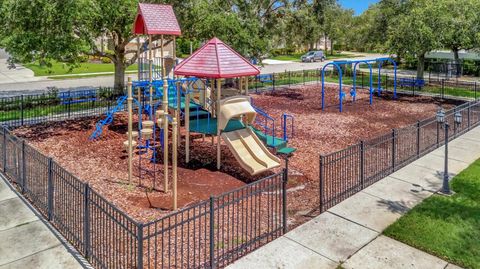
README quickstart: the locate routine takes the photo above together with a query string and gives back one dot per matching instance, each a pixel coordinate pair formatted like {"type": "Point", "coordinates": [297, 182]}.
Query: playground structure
{"type": "Point", "coordinates": [163, 101]}
{"type": "Point", "coordinates": [353, 92]}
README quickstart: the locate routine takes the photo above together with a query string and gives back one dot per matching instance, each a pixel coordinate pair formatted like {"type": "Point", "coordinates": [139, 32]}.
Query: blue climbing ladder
{"type": "Point", "coordinates": [108, 119]}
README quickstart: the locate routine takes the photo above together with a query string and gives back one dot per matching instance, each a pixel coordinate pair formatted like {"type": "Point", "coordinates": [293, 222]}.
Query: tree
{"type": "Point", "coordinates": [337, 21]}
{"type": "Point", "coordinates": [416, 32]}
{"type": "Point", "coordinates": [46, 30]}
{"type": "Point", "coordinates": [460, 25]}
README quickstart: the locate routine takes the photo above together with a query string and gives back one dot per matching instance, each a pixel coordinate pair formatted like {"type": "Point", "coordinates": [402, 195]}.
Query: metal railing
{"type": "Point", "coordinates": [348, 171]}
{"type": "Point", "coordinates": [209, 234]}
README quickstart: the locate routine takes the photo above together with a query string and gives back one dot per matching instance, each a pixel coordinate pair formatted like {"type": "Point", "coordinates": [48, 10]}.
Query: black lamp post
{"type": "Point", "coordinates": [442, 121]}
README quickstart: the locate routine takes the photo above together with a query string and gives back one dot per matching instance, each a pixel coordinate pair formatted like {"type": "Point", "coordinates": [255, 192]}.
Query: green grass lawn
{"type": "Point", "coordinates": [59, 68]}
{"type": "Point", "coordinates": [448, 227]}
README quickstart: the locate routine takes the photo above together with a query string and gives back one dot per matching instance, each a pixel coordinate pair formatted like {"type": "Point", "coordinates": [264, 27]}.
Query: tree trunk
{"type": "Point", "coordinates": [456, 57]}
{"type": "Point", "coordinates": [119, 81]}
{"type": "Point", "coordinates": [331, 47]}
{"type": "Point", "coordinates": [420, 66]}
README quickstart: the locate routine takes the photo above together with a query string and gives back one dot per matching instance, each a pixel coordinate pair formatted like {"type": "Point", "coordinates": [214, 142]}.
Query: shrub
{"type": "Point", "coordinates": [106, 60]}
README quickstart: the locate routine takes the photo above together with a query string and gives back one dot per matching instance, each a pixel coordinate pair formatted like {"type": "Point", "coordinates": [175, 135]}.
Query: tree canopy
{"type": "Point", "coordinates": [46, 30]}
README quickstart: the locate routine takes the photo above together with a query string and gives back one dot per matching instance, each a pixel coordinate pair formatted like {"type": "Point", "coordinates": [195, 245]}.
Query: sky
{"type": "Point", "coordinates": [358, 5]}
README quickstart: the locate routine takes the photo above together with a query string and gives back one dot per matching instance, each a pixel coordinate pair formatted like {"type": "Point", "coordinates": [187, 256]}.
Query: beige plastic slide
{"type": "Point", "coordinates": [249, 151]}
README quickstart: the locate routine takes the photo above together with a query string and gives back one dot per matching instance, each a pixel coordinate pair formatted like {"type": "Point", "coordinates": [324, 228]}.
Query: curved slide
{"type": "Point", "coordinates": [249, 151]}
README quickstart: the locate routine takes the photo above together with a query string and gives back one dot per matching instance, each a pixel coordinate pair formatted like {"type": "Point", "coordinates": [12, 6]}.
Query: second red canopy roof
{"type": "Point", "coordinates": [216, 60]}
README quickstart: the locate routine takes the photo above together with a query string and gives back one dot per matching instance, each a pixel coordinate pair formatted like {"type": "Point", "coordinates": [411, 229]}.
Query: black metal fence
{"type": "Point", "coordinates": [348, 171]}
{"type": "Point", "coordinates": [61, 105]}
{"type": "Point", "coordinates": [209, 234]}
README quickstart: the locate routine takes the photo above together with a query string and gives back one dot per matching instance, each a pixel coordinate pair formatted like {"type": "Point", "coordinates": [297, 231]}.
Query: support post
{"type": "Point", "coordinates": [418, 139]}
{"type": "Point", "coordinates": [140, 246]}
{"type": "Point", "coordinates": [174, 161]}
{"type": "Point", "coordinates": [284, 197]}
{"type": "Point", "coordinates": [468, 118]}
{"type": "Point", "coordinates": [393, 150]}
{"type": "Point", "coordinates": [273, 81]}
{"type": "Point", "coordinates": [322, 187]}
{"type": "Point", "coordinates": [187, 127]}
{"type": "Point", "coordinates": [50, 190]}
{"type": "Point", "coordinates": [22, 108]}
{"type": "Point", "coordinates": [219, 140]}
{"type": "Point", "coordinates": [24, 169]}
{"type": "Point", "coordinates": [362, 164]}
{"type": "Point", "coordinates": [246, 87]}
{"type": "Point", "coordinates": [150, 69]}
{"type": "Point", "coordinates": [446, 187]}
{"type": "Point", "coordinates": [4, 153]}
{"type": "Point", "coordinates": [130, 129]}
{"type": "Point", "coordinates": [165, 151]}
{"type": "Point", "coordinates": [212, 232]}
{"type": "Point", "coordinates": [86, 220]}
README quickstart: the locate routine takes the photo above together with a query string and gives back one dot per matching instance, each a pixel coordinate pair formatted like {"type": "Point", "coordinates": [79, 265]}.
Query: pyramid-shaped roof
{"type": "Point", "coordinates": [216, 60]}
{"type": "Point", "coordinates": [156, 19]}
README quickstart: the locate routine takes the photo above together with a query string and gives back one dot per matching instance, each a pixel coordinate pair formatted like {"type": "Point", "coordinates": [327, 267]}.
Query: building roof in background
{"type": "Point", "coordinates": [155, 19]}
{"type": "Point", "coordinates": [216, 60]}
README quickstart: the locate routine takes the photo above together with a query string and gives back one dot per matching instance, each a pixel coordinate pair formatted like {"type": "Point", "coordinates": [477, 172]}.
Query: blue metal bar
{"type": "Point", "coordinates": [355, 79]}
{"type": "Point", "coordinates": [336, 64]}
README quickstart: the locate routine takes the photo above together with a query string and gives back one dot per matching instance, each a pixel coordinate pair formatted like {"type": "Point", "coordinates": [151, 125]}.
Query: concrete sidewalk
{"type": "Point", "coordinates": [25, 240]}
{"type": "Point", "coordinates": [350, 232]}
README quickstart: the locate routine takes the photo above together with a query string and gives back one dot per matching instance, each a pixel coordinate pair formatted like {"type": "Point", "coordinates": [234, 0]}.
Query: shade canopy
{"type": "Point", "coordinates": [155, 19]}
{"type": "Point", "coordinates": [216, 60]}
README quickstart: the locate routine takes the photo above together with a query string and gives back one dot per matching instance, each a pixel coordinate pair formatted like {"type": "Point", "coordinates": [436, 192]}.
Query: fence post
{"type": "Point", "coordinates": [284, 196]}
{"type": "Point", "coordinates": [22, 105]}
{"type": "Point", "coordinates": [418, 139]}
{"type": "Point", "coordinates": [318, 76]}
{"type": "Point", "coordinates": [212, 233]}
{"type": "Point", "coordinates": [289, 78]}
{"type": "Point", "coordinates": [50, 190]}
{"type": "Point", "coordinates": [362, 164]}
{"type": "Point", "coordinates": [69, 102]}
{"type": "Point", "coordinates": [24, 176]}
{"type": "Point", "coordinates": [86, 220]}
{"type": "Point", "coordinates": [475, 90]}
{"type": "Point", "coordinates": [273, 81]}
{"type": "Point", "coordinates": [322, 198]}
{"type": "Point", "coordinates": [468, 118]}
{"type": "Point", "coordinates": [393, 150]}
{"type": "Point", "coordinates": [443, 88]}
{"type": "Point", "coordinates": [4, 150]}
{"type": "Point", "coordinates": [140, 246]}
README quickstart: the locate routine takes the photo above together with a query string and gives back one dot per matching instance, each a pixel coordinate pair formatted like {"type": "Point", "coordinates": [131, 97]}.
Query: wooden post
{"type": "Point", "coordinates": [246, 86]}
{"type": "Point", "coordinates": [130, 150]}
{"type": "Point", "coordinates": [179, 103]}
{"type": "Point", "coordinates": [165, 149]}
{"type": "Point", "coordinates": [165, 117]}
{"type": "Point", "coordinates": [187, 127]}
{"type": "Point", "coordinates": [174, 161]}
{"type": "Point", "coordinates": [219, 140]}
{"type": "Point", "coordinates": [150, 69]}
{"type": "Point", "coordinates": [240, 86]}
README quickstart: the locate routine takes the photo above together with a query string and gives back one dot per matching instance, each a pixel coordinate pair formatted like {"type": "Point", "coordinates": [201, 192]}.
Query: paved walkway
{"type": "Point", "coordinates": [25, 240]}
{"type": "Point", "coordinates": [350, 232]}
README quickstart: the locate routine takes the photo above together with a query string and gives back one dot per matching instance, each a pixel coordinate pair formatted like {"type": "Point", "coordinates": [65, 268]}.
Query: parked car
{"type": "Point", "coordinates": [313, 56]}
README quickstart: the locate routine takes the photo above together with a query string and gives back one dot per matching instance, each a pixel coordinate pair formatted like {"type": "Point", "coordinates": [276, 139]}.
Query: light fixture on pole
{"type": "Point", "coordinates": [442, 121]}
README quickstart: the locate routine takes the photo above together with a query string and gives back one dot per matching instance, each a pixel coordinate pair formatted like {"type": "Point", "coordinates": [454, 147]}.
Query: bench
{"type": "Point", "coordinates": [411, 82]}
{"type": "Point", "coordinates": [265, 78]}
{"type": "Point", "coordinates": [75, 97]}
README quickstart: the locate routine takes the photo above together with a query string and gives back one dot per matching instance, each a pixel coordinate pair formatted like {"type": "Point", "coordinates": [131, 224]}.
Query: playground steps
{"type": "Point", "coordinates": [108, 119]}
{"type": "Point", "coordinates": [270, 141]}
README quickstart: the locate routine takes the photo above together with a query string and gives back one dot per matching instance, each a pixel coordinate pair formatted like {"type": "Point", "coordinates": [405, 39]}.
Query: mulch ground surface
{"type": "Point", "coordinates": [103, 163]}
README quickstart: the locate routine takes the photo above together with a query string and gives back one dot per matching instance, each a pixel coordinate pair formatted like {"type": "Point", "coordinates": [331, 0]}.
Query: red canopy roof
{"type": "Point", "coordinates": [155, 19]}
{"type": "Point", "coordinates": [216, 60]}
